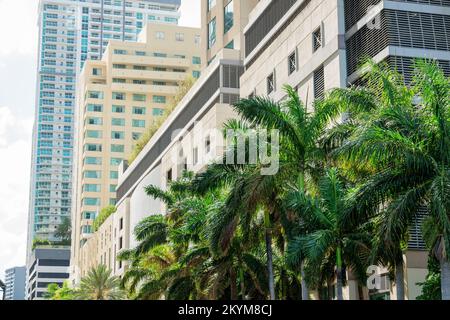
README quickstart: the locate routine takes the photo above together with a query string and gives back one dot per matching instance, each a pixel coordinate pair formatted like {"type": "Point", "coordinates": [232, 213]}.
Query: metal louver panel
{"type": "Point", "coordinates": [399, 28]}
{"type": "Point", "coordinates": [319, 83]}
{"type": "Point", "coordinates": [415, 230]}
{"type": "Point", "coordinates": [356, 10]}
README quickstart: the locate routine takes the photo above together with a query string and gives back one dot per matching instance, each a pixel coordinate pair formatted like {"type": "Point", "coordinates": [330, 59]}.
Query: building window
{"type": "Point", "coordinates": [319, 83]}
{"type": "Point", "coordinates": [118, 109]}
{"type": "Point", "coordinates": [138, 123]}
{"type": "Point", "coordinates": [270, 83]}
{"type": "Point", "coordinates": [139, 110]}
{"type": "Point", "coordinates": [208, 144]}
{"type": "Point", "coordinates": [139, 97]}
{"type": "Point", "coordinates": [118, 135]}
{"type": "Point", "coordinates": [211, 33]}
{"type": "Point", "coordinates": [196, 74]}
{"type": "Point", "coordinates": [195, 156]}
{"type": "Point", "coordinates": [118, 122]}
{"type": "Point", "coordinates": [157, 112]}
{"type": "Point", "coordinates": [121, 224]}
{"type": "Point", "coordinates": [230, 45]}
{"type": "Point", "coordinates": [160, 35]}
{"type": "Point", "coordinates": [179, 37]}
{"type": "Point", "coordinates": [120, 243]}
{"type": "Point", "coordinates": [117, 148]}
{"type": "Point", "coordinates": [118, 96]}
{"type": "Point", "coordinates": [317, 39]}
{"type": "Point", "coordinates": [159, 99]}
{"type": "Point", "coordinates": [196, 60]}
{"type": "Point", "coordinates": [169, 175]}
{"type": "Point", "coordinates": [228, 16]}
{"type": "Point", "coordinates": [211, 4]}
{"type": "Point", "coordinates": [94, 108]}
{"type": "Point", "coordinates": [292, 62]}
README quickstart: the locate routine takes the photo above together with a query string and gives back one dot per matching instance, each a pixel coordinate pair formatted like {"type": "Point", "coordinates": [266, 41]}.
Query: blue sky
{"type": "Point", "coordinates": [18, 56]}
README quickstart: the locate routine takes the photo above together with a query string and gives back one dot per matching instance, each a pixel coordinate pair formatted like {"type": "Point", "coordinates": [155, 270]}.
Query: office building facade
{"type": "Point", "coordinates": [46, 266]}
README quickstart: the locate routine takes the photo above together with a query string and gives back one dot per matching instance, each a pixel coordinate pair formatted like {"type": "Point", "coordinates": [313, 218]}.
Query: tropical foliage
{"type": "Point", "coordinates": [355, 170]}
{"type": "Point", "coordinates": [104, 214]}
{"type": "Point", "coordinates": [98, 284]}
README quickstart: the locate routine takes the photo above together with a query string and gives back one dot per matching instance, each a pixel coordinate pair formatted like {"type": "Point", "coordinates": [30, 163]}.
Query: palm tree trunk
{"type": "Point", "coordinates": [340, 295]}
{"type": "Point", "coordinates": [233, 285]}
{"type": "Point", "coordinates": [445, 279]}
{"type": "Point", "coordinates": [270, 264]}
{"type": "Point", "coordinates": [242, 283]}
{"type": "Point", "coordinates": [400, 281]}
{"type": "Point", "coordinates": [305, 294]}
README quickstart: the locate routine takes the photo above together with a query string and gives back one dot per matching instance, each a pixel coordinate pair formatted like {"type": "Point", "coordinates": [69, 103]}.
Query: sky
{"type": "Point", "coordinates": [18, 57]}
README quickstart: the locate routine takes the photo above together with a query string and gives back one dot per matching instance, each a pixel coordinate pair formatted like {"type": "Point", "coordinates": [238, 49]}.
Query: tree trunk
{"type": "Point", "coordinates": [400, 281]}
{"type": "Point", "coordinates": [340, 295]}
{"type": "Point", "coordinates": [445, 279]}
{"type": "Point", "coordinates": [233, 285]}
{"type": "Point", "coordinates": [242, 283]}
{"type": "Point", "coordinates": [305, 294]}
{"type": "Point", "coordinates": [270, 264]}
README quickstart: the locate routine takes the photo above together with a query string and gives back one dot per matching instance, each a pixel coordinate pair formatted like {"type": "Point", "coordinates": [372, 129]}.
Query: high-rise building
{"type": "Point", "coordinates": [70, 32]}
{"type": "Point", "coordinates": [120, 97]}
{"type": "Point", "coordinates": [15, 283]}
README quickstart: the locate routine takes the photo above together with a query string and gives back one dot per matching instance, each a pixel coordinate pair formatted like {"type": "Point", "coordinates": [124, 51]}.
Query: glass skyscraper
{"type": "Point", "coordinates": [70, 32]}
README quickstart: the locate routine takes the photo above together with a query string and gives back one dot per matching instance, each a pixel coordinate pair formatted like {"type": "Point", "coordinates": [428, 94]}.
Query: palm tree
{"type": "Point", "coordinates": [332, 237]}
{"type": "Point", "coordinates": [301, 159]}
{"type": "Point", "coordinates": [405, 145]}
{"type": "Point", "coordinates": [100, 285]}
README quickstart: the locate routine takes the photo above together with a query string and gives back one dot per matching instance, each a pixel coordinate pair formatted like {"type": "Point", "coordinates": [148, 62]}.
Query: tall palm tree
{"type": "Point", "coordinates": [332, 237]}
{"type": "Point", "coordinates": [301, 159]}
{"type": "Point", "coordinates": [405, 146]}
{"type": "Point", "coordinates": [100, 285]}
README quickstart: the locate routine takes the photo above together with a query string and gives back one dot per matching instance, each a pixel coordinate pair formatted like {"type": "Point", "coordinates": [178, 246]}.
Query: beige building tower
{"type": "Point", "coordinates": [223, 23]}
{"type": "Point", "coordinates": [118, 98]}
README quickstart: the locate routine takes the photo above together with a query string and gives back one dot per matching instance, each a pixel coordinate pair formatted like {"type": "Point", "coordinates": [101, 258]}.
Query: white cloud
{"type": "Point", "coordinates": [18, 25]}
{"type": "Point", "coordinates": [190, 13]}
{"type": "Point", "coordinates": [15, 152]}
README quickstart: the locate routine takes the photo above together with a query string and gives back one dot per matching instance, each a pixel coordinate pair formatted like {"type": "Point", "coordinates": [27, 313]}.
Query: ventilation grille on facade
{"type": "Point", "coordinates": [356, 10]}
{"type": "Point", "coordinates": [319, 83]}
{"type": "Point", "coordinates": [399, 28]}
{"type": "Point", "coordinates": [268, 19]}
{"type": "Point", "coordinates": [415, 230]}
{"type": "Point", "coordinates": [405, 66]}
{"type": "Point", "coordinates": [231, 76]}
{"type": "Point", "coordinates": [229, 98]}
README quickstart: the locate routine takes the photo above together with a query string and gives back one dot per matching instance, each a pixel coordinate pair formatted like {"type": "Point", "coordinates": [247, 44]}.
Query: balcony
{"type": "Point", "coordinates": [143, 88]}
{"type": "Point", "coordinates": [149, 75]}
{"type": "Point", "coordinates": [151, 61]}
